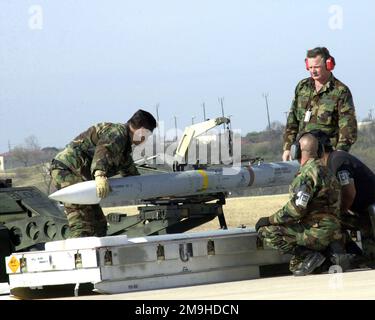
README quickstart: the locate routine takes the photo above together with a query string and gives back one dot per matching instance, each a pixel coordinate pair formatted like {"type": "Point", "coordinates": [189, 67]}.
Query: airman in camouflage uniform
{"type": "Point", "coordinates": [325, 104]}
{"type": "Point", "coordinates": [309, 220]}
{"type": "Point", "coordinates": [104, 148]}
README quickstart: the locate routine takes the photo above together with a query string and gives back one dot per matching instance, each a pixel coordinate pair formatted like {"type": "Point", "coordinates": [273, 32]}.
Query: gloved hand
{"type": "Point", "coordinates": [102, 184]}
{"type": "Point", "coordinates": [286, 155]}
{"type": "Point", "coordinates": [262, 222]}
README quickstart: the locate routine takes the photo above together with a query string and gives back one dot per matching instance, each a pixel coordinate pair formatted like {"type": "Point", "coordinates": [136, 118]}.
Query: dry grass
{"type": "Point", "coordinates": [238, 211]}
{"type": "Point", "coordinates": [28, 176]}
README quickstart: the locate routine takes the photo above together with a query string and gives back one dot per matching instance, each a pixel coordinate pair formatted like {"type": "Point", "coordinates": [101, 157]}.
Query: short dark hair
{"type": "Point", "coordinates": [318, 51]}
{"type": "Point", "coordinates": [143, 119]}
{"type": "Point", "coordinates": [323, 138]}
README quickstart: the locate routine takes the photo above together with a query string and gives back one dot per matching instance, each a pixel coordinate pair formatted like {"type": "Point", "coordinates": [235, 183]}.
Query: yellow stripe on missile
{"type": "Point", "coordinates": [205, 179]}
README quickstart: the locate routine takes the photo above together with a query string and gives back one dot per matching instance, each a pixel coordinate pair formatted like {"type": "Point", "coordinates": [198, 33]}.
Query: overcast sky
{"type": "Point", "coordinates": [67, 64]}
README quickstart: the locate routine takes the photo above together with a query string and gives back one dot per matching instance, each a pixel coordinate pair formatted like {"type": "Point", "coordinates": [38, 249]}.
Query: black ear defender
{"type": "Point", "coordinates": [295, 149]}
{"type": "Point", "coordinates": [322, 137]}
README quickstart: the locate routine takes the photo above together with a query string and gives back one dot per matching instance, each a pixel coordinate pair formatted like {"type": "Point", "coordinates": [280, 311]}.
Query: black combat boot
{"type": "Point", "coordinates": [339, 255]}
{"type": "Point", "coordinates": [298, 255]}
{"type": "Point", "coordinates": [312, 260]}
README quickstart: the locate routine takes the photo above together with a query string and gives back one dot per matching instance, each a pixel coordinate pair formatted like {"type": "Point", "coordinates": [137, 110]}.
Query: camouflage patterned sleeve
{"type": "Point", "coordinates": [292, 125]}
{"type": "Point", "coordinates": [129, 170]}
{"type": "Point", "coordinates": [296, 207]}
{"type": "Point", "coordinates": [109, 150]}
{"type": "Point", "coordinates": [347, 122]}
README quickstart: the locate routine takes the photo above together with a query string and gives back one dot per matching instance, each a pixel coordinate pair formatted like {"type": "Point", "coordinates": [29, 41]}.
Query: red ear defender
{"type": "Point", "coordinates": [330, 63]}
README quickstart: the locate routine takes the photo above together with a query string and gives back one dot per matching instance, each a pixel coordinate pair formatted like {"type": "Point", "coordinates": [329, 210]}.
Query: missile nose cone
{"type": "Point", "coordinates": [55, 196]}
{"type": "Point", "coordinates": [80, 193]}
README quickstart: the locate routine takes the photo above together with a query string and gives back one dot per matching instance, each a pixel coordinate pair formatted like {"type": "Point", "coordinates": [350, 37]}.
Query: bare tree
{"type": "Point", "coordinates": [28, 152]}
{"type": "Point", "coordinates": [44, 170]}
{"type": "Point", "coordinates": [32, 143]}
{"type": "Point", "coordinates": [22, 155]}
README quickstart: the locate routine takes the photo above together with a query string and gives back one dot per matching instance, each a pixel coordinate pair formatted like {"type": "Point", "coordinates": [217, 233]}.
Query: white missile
{"type": "Point", "coordinates": [182, 184]}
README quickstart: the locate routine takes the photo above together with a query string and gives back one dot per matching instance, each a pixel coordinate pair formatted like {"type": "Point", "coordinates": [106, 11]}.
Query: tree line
{"type": "Point", "coordinates": [268, 144]}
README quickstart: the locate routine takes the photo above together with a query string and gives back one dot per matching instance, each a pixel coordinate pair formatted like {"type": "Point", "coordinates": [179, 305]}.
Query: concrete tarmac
{"type": "Point", "coordinates": [357, 284]}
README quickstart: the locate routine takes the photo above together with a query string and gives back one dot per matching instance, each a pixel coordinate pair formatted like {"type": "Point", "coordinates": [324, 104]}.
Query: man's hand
{"type": "Point", "coordinates": [286, 155]}
{"type": "Point", "coordinates": [262, 222]}
{"type": "Point", "coordinates": [102, 184]}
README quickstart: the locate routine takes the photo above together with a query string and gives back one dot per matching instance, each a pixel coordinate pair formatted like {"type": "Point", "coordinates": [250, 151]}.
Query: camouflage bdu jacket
{"type": "Point", "coordinates": [332, 111]}
{"type": "Point", "coordinates": [105, 146]}
{"type": "Point", "coordinates": [314, 194]}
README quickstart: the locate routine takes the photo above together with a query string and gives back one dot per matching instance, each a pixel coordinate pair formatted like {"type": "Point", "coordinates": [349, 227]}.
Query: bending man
{"type": "Point", "coordinates": [100, 152]}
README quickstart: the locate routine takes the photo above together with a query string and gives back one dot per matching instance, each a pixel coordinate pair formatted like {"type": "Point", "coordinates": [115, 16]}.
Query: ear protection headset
{"type": "Point", "coordinates": [330, 63]}
{"type": "Point", "coordinates": [295, 149]}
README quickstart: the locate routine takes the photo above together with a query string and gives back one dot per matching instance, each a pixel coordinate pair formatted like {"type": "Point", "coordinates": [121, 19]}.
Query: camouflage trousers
{"type": "Point", "coordinates": [314, 236]}
{"type": "Point", "coordinates": [83, 220]}
{"type": "Point", "coordinates": [289, 238]}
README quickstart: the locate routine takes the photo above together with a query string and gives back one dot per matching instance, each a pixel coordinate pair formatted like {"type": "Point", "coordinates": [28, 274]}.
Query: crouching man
{"type": "Point", "coordinates": [309, 221]}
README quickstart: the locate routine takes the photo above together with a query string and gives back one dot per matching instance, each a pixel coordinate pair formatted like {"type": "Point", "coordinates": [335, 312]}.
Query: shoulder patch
{"type": "Point", "coordinates": [343, 177]}
{"type": "Point", "coordinates": [302, 199]}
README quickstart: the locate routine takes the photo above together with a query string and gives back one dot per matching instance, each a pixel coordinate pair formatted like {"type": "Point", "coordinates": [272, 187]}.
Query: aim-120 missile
{"type": "Point", "coordinates": [182, 184]}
